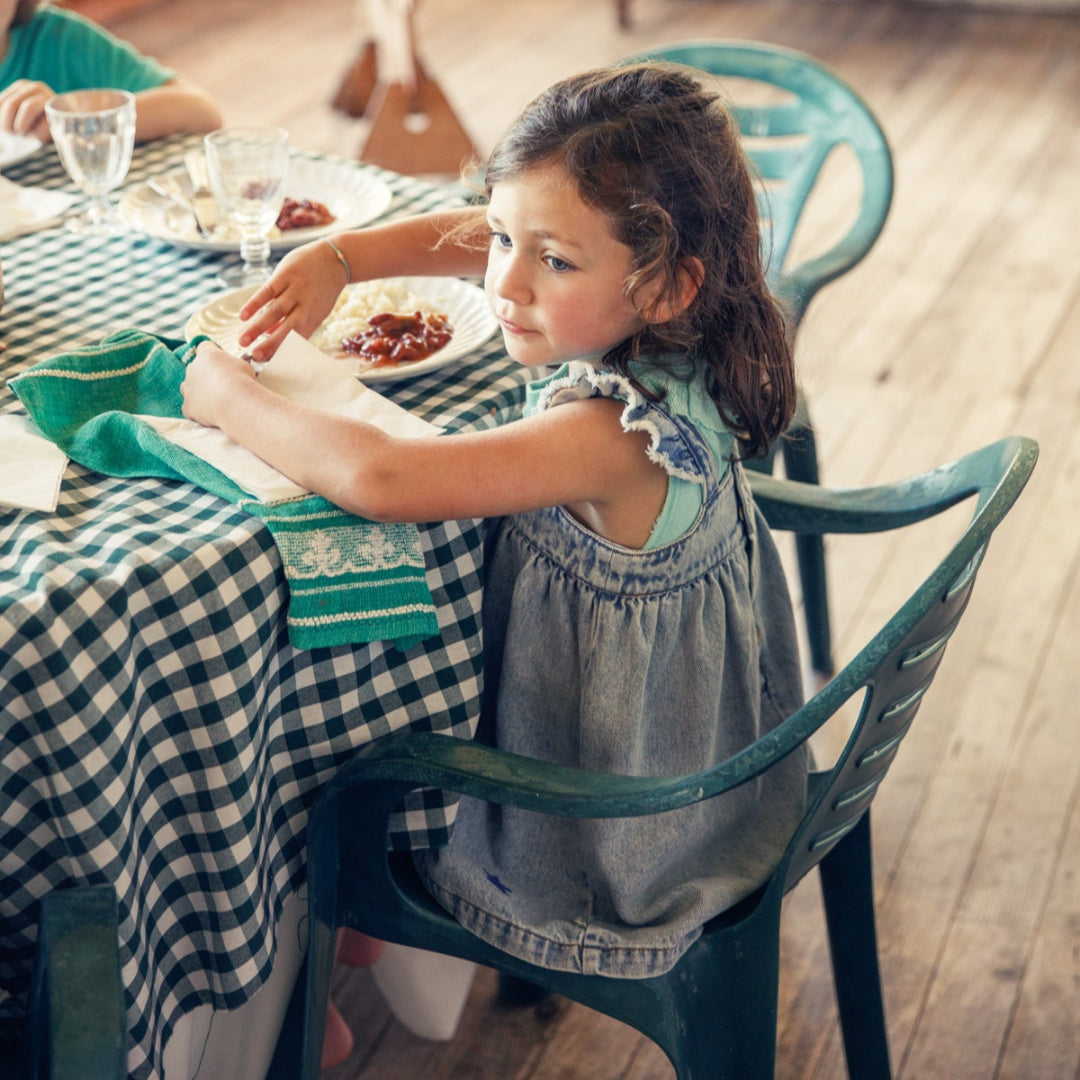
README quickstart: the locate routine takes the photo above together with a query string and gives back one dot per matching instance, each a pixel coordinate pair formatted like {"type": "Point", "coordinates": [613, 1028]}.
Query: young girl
{"type": "Point", "coordinates": [636, 618]}
{"type": "Point", "coordinates": [46, 51]}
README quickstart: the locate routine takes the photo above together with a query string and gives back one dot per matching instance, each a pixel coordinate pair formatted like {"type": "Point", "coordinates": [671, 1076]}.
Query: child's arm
{"type": "Point", "coordinates": [576, 455]}
{"type": "Point", "coordinates": [174, 107]}
{"type": "Point", "coordinates": [307, 281]}
{"type": "Point", "coordinates": [164, 110]}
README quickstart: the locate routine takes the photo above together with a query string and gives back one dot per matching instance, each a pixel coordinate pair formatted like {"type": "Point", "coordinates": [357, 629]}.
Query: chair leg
{"type": "Point", "coordinates": [800, 463]}
{"type": "Point", "coordinates": [724, 1007]}
{"type": "Point", "coordinates": [848, 889]}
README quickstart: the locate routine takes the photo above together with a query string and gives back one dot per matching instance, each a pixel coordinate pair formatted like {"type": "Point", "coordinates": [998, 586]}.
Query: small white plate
{"type": "Point", "coordinates": [351, 194]}
{"type": "Point", "coordinates": [16, 148]}
{"type": "Point", "coordinates": [465, 304]}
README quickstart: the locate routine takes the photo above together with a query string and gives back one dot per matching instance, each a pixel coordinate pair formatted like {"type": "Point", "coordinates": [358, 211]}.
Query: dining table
{"type": "Point", "coordinates": [159, 729]}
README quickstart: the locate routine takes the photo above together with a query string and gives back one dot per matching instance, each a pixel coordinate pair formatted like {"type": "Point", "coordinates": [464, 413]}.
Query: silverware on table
{"type": "Point", "coordinates": [169, 187]}
{"type": "Point", "coordinates": [203, 203]}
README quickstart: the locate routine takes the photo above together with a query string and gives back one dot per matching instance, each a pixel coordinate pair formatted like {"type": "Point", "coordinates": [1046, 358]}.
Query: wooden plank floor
{"type": "Point", "coordinates": [962, 326]}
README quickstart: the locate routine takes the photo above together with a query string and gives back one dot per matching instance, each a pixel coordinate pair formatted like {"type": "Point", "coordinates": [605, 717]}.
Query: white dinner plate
{"type": "Point", "coordinates": [352, 195]}
{"type": "Point", "coordinates": [15, 148]}
{"type": "Point", "coordinates": [464, 303]}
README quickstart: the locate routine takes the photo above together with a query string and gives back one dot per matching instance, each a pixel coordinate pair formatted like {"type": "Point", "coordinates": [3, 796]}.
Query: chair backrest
{"type": "Point", "coordinates": [894, 670]}
{"type": "Point", "coordinates": [788, 138]}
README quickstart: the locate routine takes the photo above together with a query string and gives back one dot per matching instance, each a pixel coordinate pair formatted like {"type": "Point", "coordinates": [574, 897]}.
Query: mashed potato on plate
{"type": "Point", "coordinates": [358, 303]}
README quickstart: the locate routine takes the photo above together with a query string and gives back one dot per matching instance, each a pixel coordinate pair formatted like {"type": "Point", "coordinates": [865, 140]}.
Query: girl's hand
{"type": "Point", "coordinates": [22, 109]}
{"type": "Point", "coordinates": [298, 296]}
{"type": "Point", "coordinates": [208, 380]}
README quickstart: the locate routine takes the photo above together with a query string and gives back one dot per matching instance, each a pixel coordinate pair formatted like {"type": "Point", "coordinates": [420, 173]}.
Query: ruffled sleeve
{"type": "Point", "coordinates": [671, 442]}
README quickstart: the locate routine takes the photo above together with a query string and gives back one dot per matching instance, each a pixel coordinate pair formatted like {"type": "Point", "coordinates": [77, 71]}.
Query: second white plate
{"type": "Point", "coordinates": [465, 304]}
{"type": "Point", "coordinates": [353, 195]}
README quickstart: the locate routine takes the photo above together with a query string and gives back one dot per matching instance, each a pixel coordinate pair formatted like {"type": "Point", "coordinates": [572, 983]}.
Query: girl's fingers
{"type": "Point", "coordinates": [257, 299]}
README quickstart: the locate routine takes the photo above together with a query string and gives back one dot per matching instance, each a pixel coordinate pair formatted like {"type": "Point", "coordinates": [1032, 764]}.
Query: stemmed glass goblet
{"type": "Point", "coordinates": [248, 168]}
{"type": "Point", "coordinates": [94, 133]}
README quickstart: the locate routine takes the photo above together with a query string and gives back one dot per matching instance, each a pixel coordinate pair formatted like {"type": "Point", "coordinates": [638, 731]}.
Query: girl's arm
{"type": "Point", "coordinates": [174, 107]}
{"type": "Point", "coordinates": [303, 288]}
{"type": "Point", "coordinates": [576, 455]}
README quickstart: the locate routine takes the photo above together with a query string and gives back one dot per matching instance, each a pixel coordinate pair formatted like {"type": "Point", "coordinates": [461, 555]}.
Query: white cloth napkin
{"type": "Point", "coordinates": [31, 467]}
{"type": "Point", "coordinates": [24, 209]}
{"type": "Point", "coordinates": [299, 371]}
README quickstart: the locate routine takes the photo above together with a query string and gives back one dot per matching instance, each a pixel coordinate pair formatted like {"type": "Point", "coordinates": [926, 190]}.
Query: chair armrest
{"type": "Point", "coordinates": [809, 508]}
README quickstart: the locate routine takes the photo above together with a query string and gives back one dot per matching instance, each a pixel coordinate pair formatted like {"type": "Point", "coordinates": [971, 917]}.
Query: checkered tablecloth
{"type": "Point", "coordinates": [157, 731]}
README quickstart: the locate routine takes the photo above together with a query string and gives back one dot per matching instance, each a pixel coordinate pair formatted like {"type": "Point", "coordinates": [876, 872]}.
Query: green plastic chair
{"type": "Point", "coordinates": [789, 138]}
{"type": "Point", "coordinates": [714, 1014]}
{"type": "Point", "coordinates": [77, 1026]}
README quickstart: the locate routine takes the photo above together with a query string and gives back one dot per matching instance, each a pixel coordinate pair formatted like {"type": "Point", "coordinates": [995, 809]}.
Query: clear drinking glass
{"type": "Point", "coordinates": [94, 132]}
{"type": "Point", "coordinates": [248, 168]}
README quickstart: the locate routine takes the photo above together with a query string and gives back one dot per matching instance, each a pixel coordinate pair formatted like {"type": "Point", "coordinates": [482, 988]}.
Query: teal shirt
{"type": "Point", "coordinates": [68, 52]}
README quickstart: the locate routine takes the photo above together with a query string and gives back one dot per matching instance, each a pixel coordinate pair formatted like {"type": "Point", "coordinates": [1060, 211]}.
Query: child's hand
{"type": "Point", "coordinates": [298, 296]}
{"type": "Point", "coordinates": [208, 380]}
{"type": "Point", "coordinates": [22, 109]}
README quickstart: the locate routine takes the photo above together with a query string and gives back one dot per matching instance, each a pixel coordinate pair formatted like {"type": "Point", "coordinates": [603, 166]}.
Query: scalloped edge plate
{"type": "Point", "coordinates": [352, 194]}
{"type": "Point", "coordinates": [465, 304]}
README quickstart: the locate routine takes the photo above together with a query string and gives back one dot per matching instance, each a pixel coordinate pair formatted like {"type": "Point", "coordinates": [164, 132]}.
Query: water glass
{"type": "Point", "coordinates": [94, 133]}
{"type": "Point", "coordinates": [248, 168]}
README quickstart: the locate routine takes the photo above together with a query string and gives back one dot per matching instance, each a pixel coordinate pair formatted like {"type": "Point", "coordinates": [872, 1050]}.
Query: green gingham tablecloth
{"type": "Point", "coordinates": [157, 729]}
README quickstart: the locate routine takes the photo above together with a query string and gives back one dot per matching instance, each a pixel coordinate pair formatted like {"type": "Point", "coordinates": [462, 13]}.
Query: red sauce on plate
{"type": "Point", "coordinates": [303, 214]}
{"type": "Point", "coordinates": [400, 339]}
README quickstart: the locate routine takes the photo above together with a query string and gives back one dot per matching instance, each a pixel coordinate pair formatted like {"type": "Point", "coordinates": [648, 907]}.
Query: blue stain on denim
{"type": "Point", "coordinates": [504, 889]}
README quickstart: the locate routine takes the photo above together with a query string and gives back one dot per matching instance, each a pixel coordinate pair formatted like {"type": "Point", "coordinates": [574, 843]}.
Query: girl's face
{"type": "Point", "coordinates": [555, 272]}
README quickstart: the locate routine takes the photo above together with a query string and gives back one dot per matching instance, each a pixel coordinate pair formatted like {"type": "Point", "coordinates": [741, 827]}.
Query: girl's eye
{"type": "Point", "coordinates": [560, 266]}
{"type": "Point", "coordinates": [500, 239]}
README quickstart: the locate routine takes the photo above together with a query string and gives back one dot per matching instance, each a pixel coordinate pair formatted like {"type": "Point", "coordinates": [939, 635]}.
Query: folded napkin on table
{"type": "Point", "coordinates": [31, 467]}
{"type": "Point", "coordinates": [116, 407]}
{"type": "Point", "coordinates": [24, 209]}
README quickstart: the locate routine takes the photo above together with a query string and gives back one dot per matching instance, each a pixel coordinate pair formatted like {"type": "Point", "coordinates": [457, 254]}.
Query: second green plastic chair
{"type": "Point", "coordinates": [789, 134]}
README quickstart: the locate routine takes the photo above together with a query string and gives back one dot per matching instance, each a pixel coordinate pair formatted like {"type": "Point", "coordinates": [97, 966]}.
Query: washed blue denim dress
{"type": "Point", "coordinates": [650, 663]}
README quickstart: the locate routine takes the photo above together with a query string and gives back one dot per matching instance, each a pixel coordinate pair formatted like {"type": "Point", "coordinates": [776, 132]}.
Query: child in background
{"type": "Point", "coordinates": [46, 51]}
{"type": "Point", "coordinates": [636, 617]}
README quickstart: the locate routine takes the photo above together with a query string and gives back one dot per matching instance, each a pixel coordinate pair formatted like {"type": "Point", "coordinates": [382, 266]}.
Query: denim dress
{"type": "Point", "coordinates": [655, 662]}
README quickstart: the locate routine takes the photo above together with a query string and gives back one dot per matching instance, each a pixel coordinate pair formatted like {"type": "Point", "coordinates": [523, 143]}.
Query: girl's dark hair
{"type": "Point", "coordinates": [24, 11]}
{"type": "Point", "coordinates": [655, 150]}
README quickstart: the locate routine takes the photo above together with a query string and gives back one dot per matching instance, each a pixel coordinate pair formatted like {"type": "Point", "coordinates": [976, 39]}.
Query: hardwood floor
{"type": "Point", "coordinates": [962, 325]}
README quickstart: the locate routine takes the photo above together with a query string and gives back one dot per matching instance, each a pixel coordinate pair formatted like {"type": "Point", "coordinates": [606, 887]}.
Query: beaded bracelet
{"type": "Point", "coordinates": [340, 257]}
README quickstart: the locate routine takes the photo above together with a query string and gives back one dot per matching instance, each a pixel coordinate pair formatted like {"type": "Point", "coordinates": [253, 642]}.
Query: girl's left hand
{"type": "Point", "coordinates": [22, 109]}
{"type": "Point", "coordinates": [208, 380]}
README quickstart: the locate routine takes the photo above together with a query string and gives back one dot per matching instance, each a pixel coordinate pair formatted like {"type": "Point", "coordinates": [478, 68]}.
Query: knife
{"type": "Point", "coordinates": [203, 203]}
{"type": "Point", "coordinates": [169, 187]}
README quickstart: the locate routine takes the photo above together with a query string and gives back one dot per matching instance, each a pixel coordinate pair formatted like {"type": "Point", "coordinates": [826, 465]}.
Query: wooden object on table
{"type": "Point", "coordinates": [414, 129]}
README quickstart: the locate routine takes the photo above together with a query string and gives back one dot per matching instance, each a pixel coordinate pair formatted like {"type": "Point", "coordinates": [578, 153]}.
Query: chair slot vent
{"type": "Point", "coordinates": [924, 651]}
{"type": "Point", "coordinates": [830, 836]}
{"type": "Point", "coordinates": [902, 705]}
{"type": "Point", "coordinates": [857, 794]}
{"type": "Point", "coordinates": [967, 575]}
{"type": "Point", "coordinates": [883, 749]}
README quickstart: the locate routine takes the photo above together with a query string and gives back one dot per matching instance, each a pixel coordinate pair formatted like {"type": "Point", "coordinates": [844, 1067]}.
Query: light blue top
{"type": "Point", "coordinates": [68, 52]}
{"type": "Point", "coordinates": [684, 396]}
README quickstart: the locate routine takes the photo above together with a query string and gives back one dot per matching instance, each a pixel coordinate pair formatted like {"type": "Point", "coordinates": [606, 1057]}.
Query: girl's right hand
{"type": "Point", "coordinates": [298, 296]}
